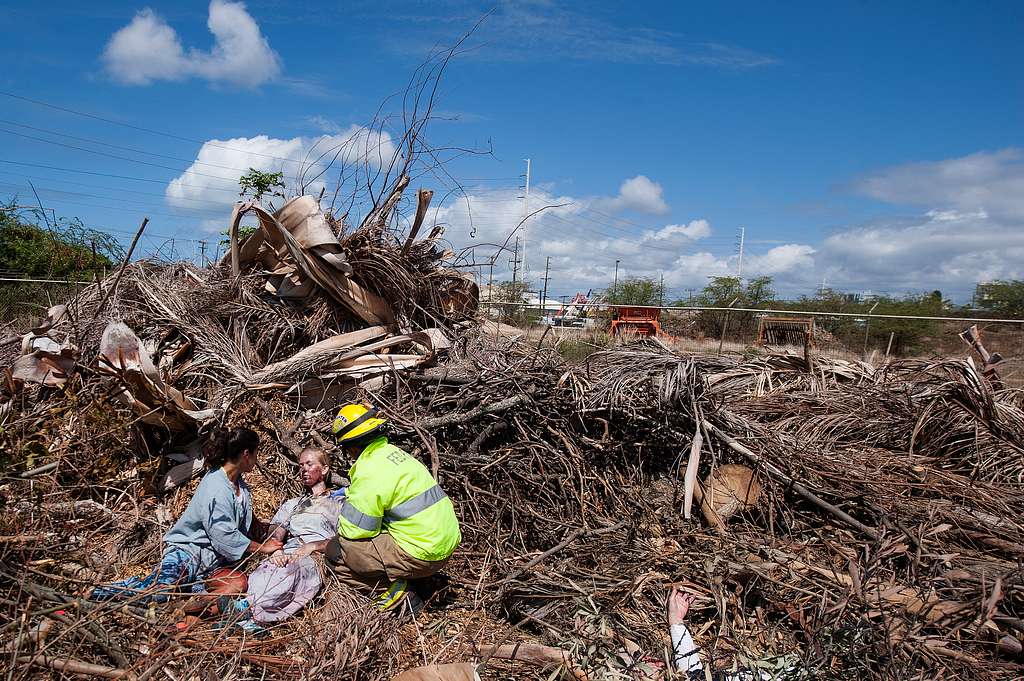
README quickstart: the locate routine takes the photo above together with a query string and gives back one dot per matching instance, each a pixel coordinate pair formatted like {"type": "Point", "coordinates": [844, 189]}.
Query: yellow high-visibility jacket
{"type": "Point", "coordinates": [393, 492]}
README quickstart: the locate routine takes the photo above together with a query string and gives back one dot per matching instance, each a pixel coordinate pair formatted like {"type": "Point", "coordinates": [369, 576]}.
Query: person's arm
{"type": "Point", "coordinates": [226, 537]}
{"type": "Point", "coordinates": [276, 529]}
{"type": "Point", "coordinates": [684, 651]}
{"type": "Point", "coordinates": [309, 548]}
{"type": "Point", "coordinates": [259, 529]}
{"type": "Point", "coordinates": [362, 510]}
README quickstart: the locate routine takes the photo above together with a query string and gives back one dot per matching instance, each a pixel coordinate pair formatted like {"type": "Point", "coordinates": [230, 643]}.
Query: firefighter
{"type": "Point", "coordinates": [396, 524]}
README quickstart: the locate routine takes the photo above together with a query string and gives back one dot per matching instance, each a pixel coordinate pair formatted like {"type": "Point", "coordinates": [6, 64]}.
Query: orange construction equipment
{"type": "Point", "coordinates": [642, 321]}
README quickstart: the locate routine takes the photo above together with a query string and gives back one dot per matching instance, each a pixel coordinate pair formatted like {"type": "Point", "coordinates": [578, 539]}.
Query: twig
{"type": "Point", "coordinates": [120, 272]}
{"type": "Point", "coordinates": [63, 664]}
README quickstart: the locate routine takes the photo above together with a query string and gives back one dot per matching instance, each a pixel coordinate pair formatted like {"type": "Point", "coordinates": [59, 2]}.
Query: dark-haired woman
{"type": "Point", "coordinates": [213, 532]}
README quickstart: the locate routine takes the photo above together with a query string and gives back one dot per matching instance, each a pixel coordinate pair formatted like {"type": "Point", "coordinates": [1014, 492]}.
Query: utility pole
{"type": "Point", "coordinates": [202, 252]}
{"type": "Point", "coordinates": [615, 283]}
{"type": "Point", "coordinates": [526, 211]}
{"type": "Point", "coordinates": [661, 291]}
{"type": "Point", "coordinates": [515, 265]}
{"type": "Point", "coordinates": [490, 286]}
{"type": "Point", "coordinates": [544, 296]}
{"type": "Point", "coordinates": [739, 261]}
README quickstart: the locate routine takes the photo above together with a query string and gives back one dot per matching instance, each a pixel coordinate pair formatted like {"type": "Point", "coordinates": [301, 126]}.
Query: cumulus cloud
{"type": "Point", "coordinates": [940, 249]}
{"type": "Point", "coordinates": [148, 49]}
{"type": "Point", "coordinates": [787, 263]}
{"type": "Point", "coordinates": [639, 194]}
{"type": "Point", "coordinates": [967, 226]}
{"type": "Point", "coordinates": [697, 229]}
{"type": "Point", "coordinates": [972, 229]}
{"type": "Point", "coordinates": [584, 245]}
{"type": "Point", "coordinates": [213, 176]}
{"type": "Point", "coordinates": [992, 182]}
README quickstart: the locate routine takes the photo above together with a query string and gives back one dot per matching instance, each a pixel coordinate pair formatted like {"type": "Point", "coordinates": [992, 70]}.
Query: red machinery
{"type": "Point", "coordinates": [642, 321]}
{"type": "Point", "coordinates": [573, 313]}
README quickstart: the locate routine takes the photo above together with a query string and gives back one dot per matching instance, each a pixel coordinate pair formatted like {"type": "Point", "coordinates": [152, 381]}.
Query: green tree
{"type": "Point", "coordinates": [61, 250]}
{"type": "Point", "coordinates": [635, 291]}
{"type": "Point", "coordinates": [908, 335]}
{"type": "Point", "coordinates": [1005, 298]}
{"type": "Point", "coordinates": [721, 292]}
{"type": "Point", "coordinates": [37, 249]}
{"type": "Point", "coordinates": [507, 297]}
{"type": "Point", "coordinates": [255, 184]}
{"type": "Point", "coordinates": [258, 184]}
{"type": "Point", "coordinates": [732, 292]}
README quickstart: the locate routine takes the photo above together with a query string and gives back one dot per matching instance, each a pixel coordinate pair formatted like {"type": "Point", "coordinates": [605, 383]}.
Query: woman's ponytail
{"type": "Point", "coordinates": [227, 445]}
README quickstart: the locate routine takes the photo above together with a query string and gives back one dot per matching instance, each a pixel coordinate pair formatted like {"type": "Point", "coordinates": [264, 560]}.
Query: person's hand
{"type": "Point", "coordinates": [279, 558]}
{"type": "Point", "coordinates": [301, 552]}
{"type": "Point", "coordinates": [679, 605]}
{"type": "Point", "coordinates": [271, 546]}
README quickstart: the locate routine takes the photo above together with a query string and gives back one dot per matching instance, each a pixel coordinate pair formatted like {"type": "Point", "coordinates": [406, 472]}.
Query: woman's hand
{"type": "Point", "coordinates": [279, 558]}
{"type": "Point", "coordinates": [308, 549]}
{"type": "Point", "coordinates": [303, 551]}
{"type": "Point", "coordinates": [271, 546]}
{"type": "Point", "coordinates": [679, 606]}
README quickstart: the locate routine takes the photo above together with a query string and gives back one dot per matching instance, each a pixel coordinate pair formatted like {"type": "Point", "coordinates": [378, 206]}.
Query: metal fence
{"type": "Point", "coordinates": [845, 335]}
{"type": "Point", "coordinates": [23, 301]}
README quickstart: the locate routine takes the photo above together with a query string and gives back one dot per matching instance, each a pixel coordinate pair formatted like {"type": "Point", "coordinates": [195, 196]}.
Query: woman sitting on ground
{"type": "Point", "coordinates": [288, 579]}
{"type": "Point", "coordinates": [212, 533]}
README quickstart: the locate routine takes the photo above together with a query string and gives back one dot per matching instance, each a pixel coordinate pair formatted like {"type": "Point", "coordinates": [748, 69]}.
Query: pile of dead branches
{"type": "Point", "coordinates": [884, 540]}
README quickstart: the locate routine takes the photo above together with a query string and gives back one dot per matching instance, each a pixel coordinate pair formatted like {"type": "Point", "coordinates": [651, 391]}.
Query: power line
{"type": "Point", "coordinates": [111, 175]}
{"type": "Point", "coordinates": [136, 210]}
{"type": "Point", "coordinates": [195, 212]}
{"type": "Point", "coordinates": [589, 226]}
{"type": "Point", "coordinates": [119, 190]}
{"type": "Point", "coordinates": [116, 146]}
{"type": "Point", "coordinates": [119, 158]}
{"type": "Point", "coordinates": [148, 130]}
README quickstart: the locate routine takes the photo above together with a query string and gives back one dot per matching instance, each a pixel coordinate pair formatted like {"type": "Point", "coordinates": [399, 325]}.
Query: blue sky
{"type": "Point", "coordinates": [870, 146]}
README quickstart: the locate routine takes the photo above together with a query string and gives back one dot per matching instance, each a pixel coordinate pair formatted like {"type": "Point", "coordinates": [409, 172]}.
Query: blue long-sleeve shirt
{"type": "Point", "coordinates": [215, 526]}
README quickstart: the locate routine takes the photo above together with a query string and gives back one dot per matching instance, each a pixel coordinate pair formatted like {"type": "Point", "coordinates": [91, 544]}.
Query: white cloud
{"type": "Point", "coordinates": [943, 250]}
{"type": "Point", "coordinates": [584, 245]}
{"type": "Point", "coordinates": [780, 260]}
{"type": "Point", "coordinates": [785, 264]}
{"type": "Point", "coordinates": [148, 49]}
{"type": "Point", "coordinates": [972, 230]}
{"type": "Point", "coordinates": [992, 182]}
{"type": "Point", "coordinates": [638, 193]}
{"type": "Point", "coordinates": [213, 177]}
{"type": "Point", "coordinates": [697, 229]}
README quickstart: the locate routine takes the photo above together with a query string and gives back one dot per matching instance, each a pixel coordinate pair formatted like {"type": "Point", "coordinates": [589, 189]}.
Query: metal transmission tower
{"type": "Point", "coordinates": [739, 261]}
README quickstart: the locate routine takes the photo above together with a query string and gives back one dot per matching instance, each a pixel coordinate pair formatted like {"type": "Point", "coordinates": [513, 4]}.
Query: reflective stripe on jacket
{"type": "Point", "coordinates": [393, 492]}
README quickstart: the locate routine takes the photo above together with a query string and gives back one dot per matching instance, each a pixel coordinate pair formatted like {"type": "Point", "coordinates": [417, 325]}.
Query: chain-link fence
{"type": "Point", "coordinates": [23, 302]}
{"type": "Point", "coordinates": [872, 338]}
